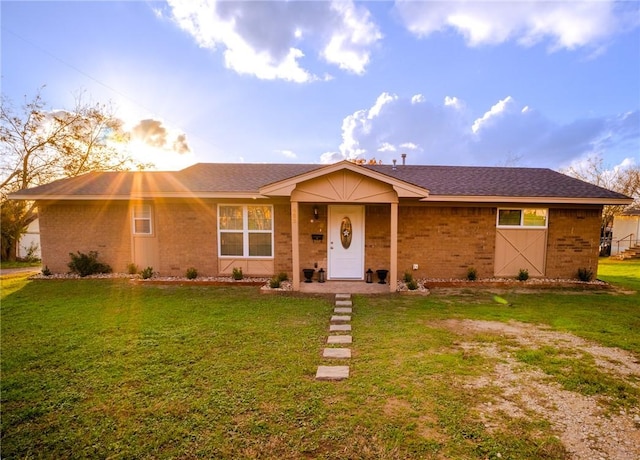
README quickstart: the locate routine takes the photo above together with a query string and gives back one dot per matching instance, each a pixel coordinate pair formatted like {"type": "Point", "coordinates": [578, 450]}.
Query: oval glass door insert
{"type": "Point", "coordinates": [346, 232]}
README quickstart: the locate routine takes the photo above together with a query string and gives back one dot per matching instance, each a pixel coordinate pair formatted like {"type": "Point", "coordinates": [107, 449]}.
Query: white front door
{"type": "Point", "coordinates": [346, 242]}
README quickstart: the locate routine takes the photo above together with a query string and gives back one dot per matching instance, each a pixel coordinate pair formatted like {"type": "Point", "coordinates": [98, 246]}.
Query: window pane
{"type": "Point", "coordinates": [142, 226]}
{"type": "Point", "coordinates": [230, 217]}
{"type": "Point", "coordinates": [535, 217]}
{"type": "Point", "coordinates": [259, 217]}
{"type": "Point", "coordinates": [231, 244]}
{"type": "Point", "coordinates": [142, 211]}
{"type": "Point", "coordinates": [260, 244]}
{"type": "Point", "coordinates": [509, 217]}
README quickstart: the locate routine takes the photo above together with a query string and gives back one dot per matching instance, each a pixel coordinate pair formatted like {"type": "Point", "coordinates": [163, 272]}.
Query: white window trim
{"type": "Point", "coordinates": [521, 225]}
{"type": "Point", "coordinates": [245, 233]}
{"type": "Point", "coordinates": [134, 219]}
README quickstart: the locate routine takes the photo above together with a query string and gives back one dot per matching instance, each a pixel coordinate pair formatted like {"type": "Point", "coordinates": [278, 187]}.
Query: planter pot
{"type": "Point", "coordinates": [308, 274]}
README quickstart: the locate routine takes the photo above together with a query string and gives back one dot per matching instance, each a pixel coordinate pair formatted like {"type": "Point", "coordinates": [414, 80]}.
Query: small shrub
{"type": "Point", "coordinates": [31, 252]}
{"type": "Point", "coordinates": [408, 277]}
{"type": "Point", "coordinates": [237, 273]}
{"type": "Point", "coordinates": [192, 273]}
{"type": "Point", "coordinates": [132, 269]}
{"type": "Point", "coordinates": [146, 273]}
{"type": "Point", "coordinates": [472, 274]}
{"type": "Point", "coordinates": [46, 271]}
{"type": "Point", "coordinates": [282, 276]}
{"type": "Point", "coordinates": [87, 264]}
{"type": "Point", "coordinates": [274, 283]}
{"type": "Point", "coordinates": [523, 275]}
{"type": "Point", "coordinates": [585, 274]}
{"type": "Point", "coordinates": [412, 285]}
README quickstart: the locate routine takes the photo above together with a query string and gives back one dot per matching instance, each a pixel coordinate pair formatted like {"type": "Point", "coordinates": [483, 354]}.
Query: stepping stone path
{"type": "Point", "coordinates": [343, 309]}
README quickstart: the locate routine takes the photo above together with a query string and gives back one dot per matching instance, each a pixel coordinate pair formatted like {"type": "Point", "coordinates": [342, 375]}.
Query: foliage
{"type": "Point", "coordinates": [132, 269]}
{"type": "Point", "coordinates": [87, 264]}
{"type": "Point", "coordinates": [621, 179]}
{"type": "Point", "coordinates": [412, 285]}
{"type": "Point", "coordinates": [585, 274]}
{"type": "Point", "coordinates": [39, 145]}
{"type": "Point", "coordinates": [282, 276]}
{"type": "Point", "coordinates": [192, 273]}
{"type": "Point", "coordinates": [523, 275]}
{"type": "Point", "coordinates": [147, 273]}
{"type": "Point", "coordinates": [46, 271]}
{"type": "Point", "coordinates": [275, 282]}
{"type": "Point", "coordinates": [472, 274]}
{"type": "Point", "coordinates": [237, 273]}
{"type": "Point", "coordinates": [31, 252]}
{"type": "Point", "coordinates": [407, 277]}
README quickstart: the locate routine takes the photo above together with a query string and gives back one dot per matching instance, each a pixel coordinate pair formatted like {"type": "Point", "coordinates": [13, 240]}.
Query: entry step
{"type": "Point", "coordinates": [344, 303]}
{"type": "Point", "coordinates": [339, 339]}
{"type": "Point", "coordinates": [343, 296]}
{"type": "Point", "coordinates": [340, 318]}
{"type": "Point", "coordinates": [332, 373]}
{"type": "Point", "coordinates": [337, 353]}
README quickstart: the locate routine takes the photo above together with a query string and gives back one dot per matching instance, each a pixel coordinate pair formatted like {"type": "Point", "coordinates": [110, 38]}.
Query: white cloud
{"type": "Point", "coordinates": [565, 24]}
{"type": "Point", "coordinates": [266, 39]}
{"type": "Point", "coordinates": [448, 133]}
{"type": "Point", "coordinates": [495, 111]}
{"type": "Point", "coordinates": [287, 153]}
{"type": "Point", "coordinates": [350, 42]}
{"type": "Point", "coordinates": [386, 147]}
{"type": "Point", "coordinates": [409, 146]}
{"type": "Point", "coordinates": [417, 99]}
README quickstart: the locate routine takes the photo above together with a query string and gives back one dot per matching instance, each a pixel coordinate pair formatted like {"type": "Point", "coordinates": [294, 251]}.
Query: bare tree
{"type": "Point", "coordinates": [38, 145]}
{"type": "Point", "coordinates": [622, 179]}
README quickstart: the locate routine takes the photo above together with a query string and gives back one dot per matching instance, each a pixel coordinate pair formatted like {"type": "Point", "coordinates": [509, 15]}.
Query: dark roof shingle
{"type": "Point", "coordinates": [212, 178]}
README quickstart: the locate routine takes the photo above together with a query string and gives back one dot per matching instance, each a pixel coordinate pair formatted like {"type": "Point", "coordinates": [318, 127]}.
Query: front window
{"type": "Point", "coordinates": [142, 219]}
{"type": "Point", "coordinates": [527, 217]}
{"type": "Point", "coordinates": [245, 230]}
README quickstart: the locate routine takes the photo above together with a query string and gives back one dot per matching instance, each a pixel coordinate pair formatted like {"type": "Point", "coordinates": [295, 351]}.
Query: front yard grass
{"type": "Point", "coordinates": [109, 369]}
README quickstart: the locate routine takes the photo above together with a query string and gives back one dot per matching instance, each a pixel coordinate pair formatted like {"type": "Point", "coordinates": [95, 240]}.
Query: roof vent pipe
{"type": "Point", "coordinates": [404, 158]}
{"type": "Point", "coordinates": [394, 164]}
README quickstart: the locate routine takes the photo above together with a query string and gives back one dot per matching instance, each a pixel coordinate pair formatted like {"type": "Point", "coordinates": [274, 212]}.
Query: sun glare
{"type": "Point", "coordinates": [163, 159]}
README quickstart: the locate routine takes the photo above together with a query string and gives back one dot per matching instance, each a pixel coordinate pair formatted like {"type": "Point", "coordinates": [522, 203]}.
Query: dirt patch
{"type": "Point", "coordinates": [583, 425]}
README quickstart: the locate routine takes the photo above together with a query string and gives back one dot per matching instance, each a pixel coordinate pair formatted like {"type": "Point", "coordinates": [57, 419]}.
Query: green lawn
{"type": "Point", "coordinates": [110, 369]}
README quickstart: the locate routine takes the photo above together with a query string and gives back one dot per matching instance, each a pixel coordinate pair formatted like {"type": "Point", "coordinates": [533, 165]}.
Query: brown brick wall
{"type": "Point", "coordinates": [443, 241]}
{"type": "Point", "coordinates": [573, 241]}
{"type": "Point", "coordinates": [187, 237]}
{"type": "Point", "coordinates": [377, 243]}
{"type": "Point", "coordinates": [312, 252]}
{"type": "Point", "coordinates": [85, 226]}
{"type": "Point", "coordinates": [446, 241]}
{"type": "Point", "coordinates": [283, 261]}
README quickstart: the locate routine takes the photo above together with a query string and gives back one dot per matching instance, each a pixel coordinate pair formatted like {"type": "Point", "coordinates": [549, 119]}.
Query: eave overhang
{"type": "Point", "coordinates": [139, 196]}
{"type": "Point", "coordinates": [526, 199]}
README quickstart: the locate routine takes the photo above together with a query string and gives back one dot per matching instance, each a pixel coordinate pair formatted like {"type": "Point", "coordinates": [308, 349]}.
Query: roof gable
{"type": "Point", "coordinates": [287, 186]}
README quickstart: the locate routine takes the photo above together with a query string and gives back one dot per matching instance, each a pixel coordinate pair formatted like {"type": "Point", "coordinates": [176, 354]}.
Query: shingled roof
{"type": "Point", "coordinates": [245, 180]}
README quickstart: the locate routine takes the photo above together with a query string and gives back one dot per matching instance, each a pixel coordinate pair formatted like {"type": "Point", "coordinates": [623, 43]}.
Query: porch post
{"type": "Point", "coordinates": [295, 246]}
{"type": "Point", "coordinates": [393, 272]}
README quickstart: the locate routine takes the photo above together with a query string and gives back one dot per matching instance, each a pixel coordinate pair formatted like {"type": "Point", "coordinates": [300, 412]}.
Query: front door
{"type": "Point", "coordinates": [346, 242]}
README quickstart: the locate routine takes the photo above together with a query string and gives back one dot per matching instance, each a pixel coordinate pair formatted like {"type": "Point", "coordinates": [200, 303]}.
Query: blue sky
{"type": "Point", "coordinates": [541, 84]}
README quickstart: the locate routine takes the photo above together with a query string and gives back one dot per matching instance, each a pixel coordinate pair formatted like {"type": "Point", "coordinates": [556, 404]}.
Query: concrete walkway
{"type": "Point", "coordinates": [339, 335]}
{"type": "Point", "coordinates": [336, 287]}
{"type": "Point", "coordinates": [18, 271]}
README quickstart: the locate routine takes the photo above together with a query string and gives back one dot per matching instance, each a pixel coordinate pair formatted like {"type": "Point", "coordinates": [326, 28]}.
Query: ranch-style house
{"type": "Point", "coordinates": [343, 218]}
